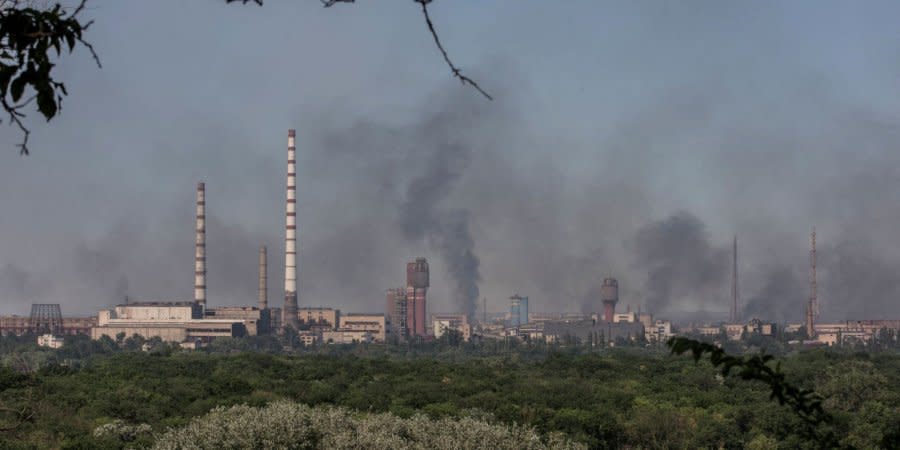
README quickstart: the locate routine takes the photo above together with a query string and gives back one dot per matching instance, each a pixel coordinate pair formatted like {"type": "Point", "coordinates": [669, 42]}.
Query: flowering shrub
{"type": "Point", "coordinates": [120, 431]}
{"type": "Point", "coordinates": [287, 425]}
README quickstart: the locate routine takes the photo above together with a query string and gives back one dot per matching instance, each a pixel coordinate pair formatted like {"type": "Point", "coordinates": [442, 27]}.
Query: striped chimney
{"type": "Point", "coordinates": [200, 247]}
{"type": "Point", "coordinates": [263, 280]}
{"type": "Point", "coordinates": [289, 313]}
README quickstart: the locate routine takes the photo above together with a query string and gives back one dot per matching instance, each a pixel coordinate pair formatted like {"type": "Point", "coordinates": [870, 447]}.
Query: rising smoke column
{"type": "Point", "coordinates": [447, 230]}
{"type": "Point", "coordinates": [681, 263]}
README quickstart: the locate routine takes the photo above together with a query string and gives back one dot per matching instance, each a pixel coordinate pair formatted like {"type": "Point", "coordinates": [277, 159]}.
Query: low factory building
{"type": "Point", "coordinates": [169, 321]}
{"type": "Point", "coordinates": [374, 324]}
{"type": "Point", "coordinates": [318, 319]}
{"type": "Point", "coordinates": [441, 323]}
{"type": "Point", "coordinates": [255, 320]}
{"type": "Point", "coordinates": [347, 337]}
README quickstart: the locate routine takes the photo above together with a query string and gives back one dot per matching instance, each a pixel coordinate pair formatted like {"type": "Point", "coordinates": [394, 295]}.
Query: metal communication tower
{"type": "Point", "coordinates": [46, 318]}
{"type": "Point", "coordinates": [812, 306]}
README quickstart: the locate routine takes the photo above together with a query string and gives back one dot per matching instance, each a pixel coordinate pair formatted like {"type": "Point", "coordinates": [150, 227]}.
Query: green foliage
{"type": "Point", "coordinates": [28, 38]}
{"type": "Point", "coordinates": [606, 398]}
{"type": "Point", "coordinates": [804, 402]}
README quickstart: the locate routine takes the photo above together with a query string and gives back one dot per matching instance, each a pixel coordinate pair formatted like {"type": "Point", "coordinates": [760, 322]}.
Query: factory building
{"type": "Point", "coordinates": [441, 323]}
{"type": "Point", "coordinates": [14, 325]}
{"type": "Point", "coordinates": [347, 337]}
{"type": "Point", "coordinates": [318, 319]}
{"type": "Point", "coordinates": [374, 324]}
{"type": "Point", "coordinates": [518, 311]}
{"type": "Point", "coordinates": [395, 311]}
{"type": "Point", "coordinates": [417, 283]}
{"type": "Point", "coordinates": [405, 309]}
{"type": "Point", "coordinates": [169, 321]}
{"type": "Point", "coordinates": [255, 320]}
{"type": "Point", "coordinates": [660, 332]}
{"type": "Point", "coordinates": [628, 317]}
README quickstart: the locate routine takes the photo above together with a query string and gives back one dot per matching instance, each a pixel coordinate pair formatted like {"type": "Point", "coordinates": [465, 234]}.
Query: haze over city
{"type": "Point", "coordinates": [627, 140]}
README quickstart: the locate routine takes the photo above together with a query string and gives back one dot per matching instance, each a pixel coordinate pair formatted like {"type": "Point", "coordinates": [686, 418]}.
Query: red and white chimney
{"type": "Point", "coordinates": [200, 247]}
{"type": "Point", "coordinates": [289, 313]}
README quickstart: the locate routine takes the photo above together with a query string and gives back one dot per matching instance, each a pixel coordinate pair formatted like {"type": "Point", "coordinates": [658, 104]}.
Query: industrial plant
{"type": "Point", "coordinates": [196, 322]}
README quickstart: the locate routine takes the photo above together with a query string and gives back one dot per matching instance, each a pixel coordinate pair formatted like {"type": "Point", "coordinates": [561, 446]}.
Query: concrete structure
{"type": "Point", "coordinates": [417, 283]}
{"type": "Point", "coordinates": [255, 320]}
{"type": "Point", "coordinates": [173, 322]}
{"type": "Point", "coordinates": [290, 239]}
{"type": "Point", "coordinates": [308, 338]}
{"type": "Point", "coordinates": [318, 318]}
{"type": "Point", "coordinates": [374, 324]}
{"type": "Point", "coordinates": [347, 337]}
{"type": "Point", "coordinates": [661, 331]}
{"type": "Point", "coordinates": [708, 331]}
{"type": "Point", "coordinates": [518, 310]}
{"type": "Point", "coordinates": [762, 328]}
{"type": "Point", "coordinates": [263, 289]}
{"type": "Point", "coordinates": [609, 295]}
{"type": "Point", "coordinates": [49, 340]}
{"type": "Point", "coordinates": [628, 317]}
{"type": "Point", "coordinates": [20, 325]}
{"type": "Point", "coordinates": [734, 331]}
{"type": "Point", "coordinates": [395, 311]}
{"type": "Point", "coordinates": [441, 323]}
{"type": "Point", "coordinates": [200, 247]}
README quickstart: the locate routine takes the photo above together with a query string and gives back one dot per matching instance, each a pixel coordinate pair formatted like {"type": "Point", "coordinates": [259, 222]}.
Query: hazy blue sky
{"type": "Point", "coordinates": [630, 139]}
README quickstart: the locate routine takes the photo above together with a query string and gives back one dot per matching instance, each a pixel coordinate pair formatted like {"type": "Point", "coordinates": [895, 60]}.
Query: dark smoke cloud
{"type": "Point", "coordinates": [682, 265]}
{"type": "Point", "coordinates": [779, 296]}
{"type": "Point", "coordinates": [447, 230]}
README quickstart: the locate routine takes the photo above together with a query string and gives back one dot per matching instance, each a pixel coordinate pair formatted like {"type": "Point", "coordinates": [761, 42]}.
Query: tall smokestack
{"type": "Point", "coordinates": [734, 284]}
{"type": "Point", "coordinates": [200, 247]}
{"type": "Point", "coordinates": [289, 313]}
{"type": "Point", "coordinates": [609, 295]}
{"type": "Point", "coordinates": [263, 280]}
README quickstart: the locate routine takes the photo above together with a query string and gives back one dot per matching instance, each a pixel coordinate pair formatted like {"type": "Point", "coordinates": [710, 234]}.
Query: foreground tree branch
{"type": "Point", "coordinates": [803, 402]}
{"type": "Point", "coordinates": [27, 38]}
{"type": "Point", "coordinates": [456, 71]}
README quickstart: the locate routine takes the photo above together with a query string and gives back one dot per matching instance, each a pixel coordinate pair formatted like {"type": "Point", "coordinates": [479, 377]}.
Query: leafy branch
{"type": "Point", "coordinates": [27, 38]}
{"type": "Point", "coordinates": [803, 402]}
{"type": "Point", "coordinates": [456, 71]}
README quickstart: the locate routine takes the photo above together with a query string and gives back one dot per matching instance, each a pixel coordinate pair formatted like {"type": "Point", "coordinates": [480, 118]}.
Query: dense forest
{"type": "Point", "coordinates": [132, 393]}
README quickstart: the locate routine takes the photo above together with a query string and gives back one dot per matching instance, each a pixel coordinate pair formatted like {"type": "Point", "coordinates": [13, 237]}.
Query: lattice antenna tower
{"type": "Point", "coordinates": [812, 305]}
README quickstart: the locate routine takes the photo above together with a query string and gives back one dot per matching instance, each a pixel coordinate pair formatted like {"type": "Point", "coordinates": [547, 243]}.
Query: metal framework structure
{"type": "Point", "coordinates": [46, 318]}
{"type": "Point", "coordinates": [812, 305]}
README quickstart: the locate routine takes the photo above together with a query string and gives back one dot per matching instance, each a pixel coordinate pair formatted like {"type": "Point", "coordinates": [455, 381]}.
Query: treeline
{"type": "Point", "coordinates": [617, 398]}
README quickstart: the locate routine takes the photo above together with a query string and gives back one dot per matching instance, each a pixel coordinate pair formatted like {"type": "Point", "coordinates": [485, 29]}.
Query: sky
{"type": "Point", "coordinates": [625, 139]}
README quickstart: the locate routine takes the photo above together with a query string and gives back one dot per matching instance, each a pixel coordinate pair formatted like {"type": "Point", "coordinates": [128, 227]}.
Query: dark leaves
{"type": "Point", "coordinates": [27, 38]}
{"type": "Point", "coordinates": [804, 402]}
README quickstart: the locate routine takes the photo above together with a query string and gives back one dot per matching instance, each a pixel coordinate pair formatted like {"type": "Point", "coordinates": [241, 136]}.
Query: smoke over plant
{"type": "Point", "coordinates": [780, 296]}
{"type": "Point", "coordinates": [682, 266]}
{"type": "Point", "coordinates": [447, 230]}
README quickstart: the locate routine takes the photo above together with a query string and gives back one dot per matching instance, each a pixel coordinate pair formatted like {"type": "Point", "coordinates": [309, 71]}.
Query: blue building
{"type": "Point", "coordinates": [518, 310]}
